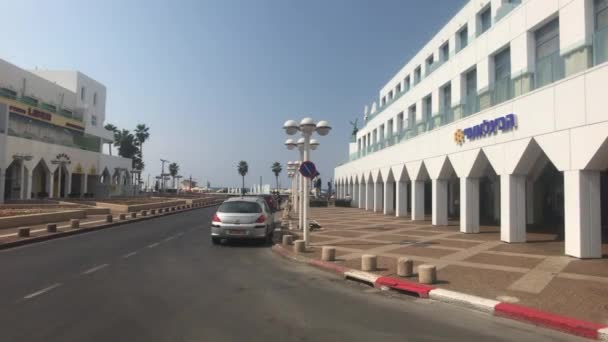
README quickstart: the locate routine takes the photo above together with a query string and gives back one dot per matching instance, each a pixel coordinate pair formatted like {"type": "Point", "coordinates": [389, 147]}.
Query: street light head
{"type": "Point", "coordinates": [314, 144]}
{"type": "Point", "coordinates": [291, 144]}
{"type": "Point", "coordinates": [301, 142]}
{"type": "Point", "coordinates": [291, 127]}
{"type": "Point", "coordinates": [307, 125]}
{"type": "Point", "coordinates": [323, 128]}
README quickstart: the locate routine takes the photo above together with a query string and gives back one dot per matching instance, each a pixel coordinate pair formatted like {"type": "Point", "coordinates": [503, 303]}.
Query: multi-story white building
{"type": "Point", "coordinates": [52, 137]}
{"type": "Point", "coordinates": [501, 118]}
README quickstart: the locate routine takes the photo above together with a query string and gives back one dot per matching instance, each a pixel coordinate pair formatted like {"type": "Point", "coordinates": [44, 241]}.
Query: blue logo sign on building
{"type": "Point", "coordinates": [486, 128]}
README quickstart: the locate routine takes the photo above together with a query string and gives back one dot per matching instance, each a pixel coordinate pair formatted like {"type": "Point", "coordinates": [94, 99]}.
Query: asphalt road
{"type": "Point", "coordinates": [162, 280]}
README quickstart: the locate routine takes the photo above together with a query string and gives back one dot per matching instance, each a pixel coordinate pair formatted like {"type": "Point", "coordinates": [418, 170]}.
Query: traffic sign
{"type": "Point", "coordinates": [308, 169]}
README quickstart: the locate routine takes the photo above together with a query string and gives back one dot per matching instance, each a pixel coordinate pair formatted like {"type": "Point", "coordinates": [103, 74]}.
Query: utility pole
{"type": "Point", "coordinates": [148, 183]}
{"type": "Point", "coordinates": [162, 174]}
{"type": "Point", "coordinates": [190, 184]}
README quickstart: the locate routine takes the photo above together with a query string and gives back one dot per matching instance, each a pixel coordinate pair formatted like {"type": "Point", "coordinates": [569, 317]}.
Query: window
{"type": "Point", "coordinates": [398, 88]}
{"type": "Point", "coordinates": [471, 101]}
{"type": "Point", "coordinates": [381, 135]}
{"type": "Point", "coordinates": [446, 98]}
{"type": "Point", "coordinates": [94, 120]}
{"type": "Point", "coordinates": [82, 93]}
{"type": "Point", "coordinates": [429, 61]}
{"type": "Point", "coordinates": [463, 38]}
{"type": "Point", "coordinates": [485, 20]}
{"type": "Point", "coordinates": [238, 207]}
{"type": "Point", "coordinates": [502, 77]}
{"type": "Point", "coordinates": [444, 52]}
{"type": "Point", "coordinates": [600, 48]}
{"type": "Point", "coordinates": [427, 108]}
{"type": "Point", "coordinates": [549, 64]}
{"type": "Point", "coordinates": [406, 83]}
{"type": "Point", "coordinates": [411, 116]}
{"type": "Point", "coordinates": [417, 75]}
{"type": "Point", "coordinates": [400, 122]}
{"type": "Point", "coordinates": [94, 99]}
{"type": "Point", "coordinates": [389, 128]}
{"type": "Point", "coordinates": [383, 100]}
{"type": "Point", "coordinates": [390, 95]}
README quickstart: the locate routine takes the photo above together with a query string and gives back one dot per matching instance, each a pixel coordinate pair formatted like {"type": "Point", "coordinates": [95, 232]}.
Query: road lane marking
{"type": "Point", "coordinates": [169, 238]}
{"type": "Point", "coordinates": [94, 269]}
{"type": "Point", "coordinates": [180, 233]}
{"type": "Point", "coordinates": [129, 255]}
{"type": "Point", "coordinates": [38, 293]}
{"type": "Point", "coordinates": [153, 245]}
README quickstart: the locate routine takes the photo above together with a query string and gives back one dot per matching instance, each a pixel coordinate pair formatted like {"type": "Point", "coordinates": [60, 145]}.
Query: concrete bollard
{"type": "Point", "coordinates": [133, 215]}
{"type": "Point", "coordinates": [51, 228]}
{"type": "Point", "coordinates": [153, 212]}
{"type": "Point", "coordinates": [328, 253]}
{"type": "Point", "coordinates": [287, 240]}
{"type": "Point", "coordinates": [122, 217]}
{"type": "Point", "coordinates": [144, 213]}
{"type": "Point", "coordinates": [74, 223]}
{"type": "Point", "coordinates": [24, 232]}
{"type": "Point", "coordinates": [369, 262]}
{"type": "Point", "coordinates": [160, 211]}
{"type": "Point", "coordinates": [427, 274]}
{"type": "Point", "coordinates": [299, 246]}
{"type": "Point", "coordinates": [109, 218]}
{"type": "Point", "coordinates": [405, 267]}
{"type": "Point", "coordinates": [172, 208]}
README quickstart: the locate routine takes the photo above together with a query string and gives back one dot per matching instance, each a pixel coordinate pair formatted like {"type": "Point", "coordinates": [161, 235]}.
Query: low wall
{"type": "Point", "coordinates": [33, 219]}
{"type": "Point", "coordinates": [121, 208]}
{"type": "Point", "coordinates": [97, 211]}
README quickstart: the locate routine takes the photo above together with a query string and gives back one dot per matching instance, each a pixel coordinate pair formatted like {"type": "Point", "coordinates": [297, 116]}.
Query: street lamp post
{"type": "Point", "coordinates": [307, 127]}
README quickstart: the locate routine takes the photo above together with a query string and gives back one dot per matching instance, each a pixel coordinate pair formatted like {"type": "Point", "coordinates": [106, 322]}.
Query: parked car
{"type": "Point", "coordinates": [242, 218]}
{"type": "Point", "coordinates": [270, 200]}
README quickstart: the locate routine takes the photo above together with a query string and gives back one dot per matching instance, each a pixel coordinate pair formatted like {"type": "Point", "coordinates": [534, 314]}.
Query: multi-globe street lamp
{"type": "Point", "coordinates": [307, 127]}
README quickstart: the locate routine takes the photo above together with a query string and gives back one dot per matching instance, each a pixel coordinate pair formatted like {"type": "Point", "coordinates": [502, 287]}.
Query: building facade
{"type": "Point", "coordinates": [52, 137]}
{"type": "Point", "coordinates": [500, 119]}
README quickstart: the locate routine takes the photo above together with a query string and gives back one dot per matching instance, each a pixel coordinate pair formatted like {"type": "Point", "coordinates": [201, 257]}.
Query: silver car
{"type": "Point", "coordinates": [242, 218]}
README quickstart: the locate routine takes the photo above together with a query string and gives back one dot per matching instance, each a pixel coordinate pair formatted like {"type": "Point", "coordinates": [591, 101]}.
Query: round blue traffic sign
{"type": "Point", "coordinates": [308, 169]}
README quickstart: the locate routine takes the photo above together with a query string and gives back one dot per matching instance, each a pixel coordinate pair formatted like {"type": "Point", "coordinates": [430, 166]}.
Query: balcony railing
{"type": "Point", "coordinates": [9, 94]}
{"type": "Point", "coordinates": [502, 90]}
{"type": "Point", "coordinates": [600, 46]}
{"type": "Point", "coordinates": [549, 69]}
{"type": "Point", "coordinates": [92, 144]}
{"type": "Point", "coordinates": [505, 9]}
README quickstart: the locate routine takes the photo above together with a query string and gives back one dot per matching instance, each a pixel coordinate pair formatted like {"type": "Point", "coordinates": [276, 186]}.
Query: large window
{"type": "Point", "coordinates": [471, 101]}
{"type": "Point", "coordinates": [600, 43]}
{"type": "Point", "coordinates": [399, 122]}
{"type": "Point", "coordinates": [82, 93]}
{"type": "Point", "coordinates": [417, 75]}
{"type": "Point", "coordinates": [444, 52]}
{"type": "Point", "coordinates": [502, 77]}
{"type": "Point", "coordinates": [549, 64]}
{"type": "Point", "coordinates": [427, 108]}
{"type": "Point", "coordinates": [446, 97]}
{"type": "Point", "coordinates": [406, 83]}
{"type": "Point", "coordinates": [411, 116]}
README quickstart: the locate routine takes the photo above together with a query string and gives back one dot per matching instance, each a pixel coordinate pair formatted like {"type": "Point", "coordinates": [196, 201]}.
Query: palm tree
{"type": "Point", "coordinates": [243, 168]}
{"type": "Point", "coordinates": [125, 141]}
{"type": "Point", "coordinates": [112, 128]}
{"type": "Point", "coordinates": [141, 135]}
{"type": "Point", "coordinates": [276, 169]}
{"type": "Point", "coordinates": [173, 171]}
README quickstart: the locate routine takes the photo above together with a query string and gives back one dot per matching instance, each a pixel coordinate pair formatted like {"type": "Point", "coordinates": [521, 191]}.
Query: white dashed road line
{"type": "Point", "coordinates": [153, 245]}
{"type": "Point", "coordinates": [129, 255]}
{"type": "Point", "coordinates": [169, 238]}
{"type": "Point", "coordinates": [94, 269]}
{"type": "Point", "coordinates": [38, 293]}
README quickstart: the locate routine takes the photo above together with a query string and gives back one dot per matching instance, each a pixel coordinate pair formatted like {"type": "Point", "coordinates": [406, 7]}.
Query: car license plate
{"type": "Point", "coordinates": [237, 232]}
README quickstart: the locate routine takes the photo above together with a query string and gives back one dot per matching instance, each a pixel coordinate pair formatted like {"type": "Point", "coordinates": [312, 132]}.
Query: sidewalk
{"type": "Point", "coordinates": [535, 274]}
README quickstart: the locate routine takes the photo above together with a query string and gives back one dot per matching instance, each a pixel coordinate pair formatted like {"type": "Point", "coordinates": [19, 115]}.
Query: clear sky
{"type": "Point", "coordinates": [215, 80]}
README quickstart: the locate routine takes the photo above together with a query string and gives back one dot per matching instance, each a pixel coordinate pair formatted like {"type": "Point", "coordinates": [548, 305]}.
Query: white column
{"type": "Point", "coordinates": [22, 181]}
{"type": "Point", "coordinates": [355, 202]}
{"type": "Point", "coordinates": [85, 184]}
{"type": "Point", "coordinates": [50, 177]}
{"type": "Point", "coordinates": [417, 200]}
{"type": "Point", "coordinates": [469, 205]}
{"type": "Point", "coordinates": [2, 175]}
{"type": "Point", "coordinates": [388, 198]}
{"type": "Point", "coordinates": [513, 208]}
{"type": "Point", "coordinates": [401, 207]}
{"type": "Point", "coordinates": [582, 214]}
{"type": "Point", "coordinates": [362, 195]}
{"type": "Point", "coordinates": [440, 202]}
{"type": "Point", "coordinates": [369, 196]}
{"type": "Point", "coordinates": [530, 202]}
{"type": "Point", "coordinates": [378, 196]}
{"type": "Point", "coordinates": [28, 188]}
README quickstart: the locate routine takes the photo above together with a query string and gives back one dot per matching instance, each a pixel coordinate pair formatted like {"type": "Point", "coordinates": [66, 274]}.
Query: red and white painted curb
{"type": "Point", "coordinates": [518, 312]}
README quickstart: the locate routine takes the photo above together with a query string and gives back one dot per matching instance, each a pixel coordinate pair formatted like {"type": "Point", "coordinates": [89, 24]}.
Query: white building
{"type": "Point", "coordinates": [52, 137]}
{"type": "Point", "coordinates": [501, 118]}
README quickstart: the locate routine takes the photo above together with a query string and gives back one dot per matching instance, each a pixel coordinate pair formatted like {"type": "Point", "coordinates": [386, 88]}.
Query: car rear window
{"type": "Point", "coordinates": [240, 207]}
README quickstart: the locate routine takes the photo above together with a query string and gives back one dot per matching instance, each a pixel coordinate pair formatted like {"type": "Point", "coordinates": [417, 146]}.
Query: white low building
{"type": "Point", "coordinates": [52, 137]}
{"type": "Point", "coordinates": [501, 118]}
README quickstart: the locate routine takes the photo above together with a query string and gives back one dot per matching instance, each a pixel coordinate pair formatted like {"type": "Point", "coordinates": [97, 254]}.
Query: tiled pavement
{"type": "Point", "coordinates": [535, 273]}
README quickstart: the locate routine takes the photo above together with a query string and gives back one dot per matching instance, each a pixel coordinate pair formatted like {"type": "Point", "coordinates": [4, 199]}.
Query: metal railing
{"type": "Point", "coordinates": [505, 9]}
{"type": "Point", "coordinates": [600, 46]}
{"type": "Point", "coordinates": [549, 69]}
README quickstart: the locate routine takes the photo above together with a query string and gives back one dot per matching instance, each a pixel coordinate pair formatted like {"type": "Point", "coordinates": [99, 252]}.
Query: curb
{"type": "Point", "coordinates": [36, 239]}
{"type": "Point", "coordinates": [513, 311]}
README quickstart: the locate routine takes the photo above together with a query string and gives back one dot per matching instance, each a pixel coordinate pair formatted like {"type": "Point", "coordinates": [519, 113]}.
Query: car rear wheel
{"type": "Point", "coordinates": [215, 240]}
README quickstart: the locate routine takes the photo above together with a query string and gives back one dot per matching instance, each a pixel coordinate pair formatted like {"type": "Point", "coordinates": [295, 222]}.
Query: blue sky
{"type": "Point", "coordinates": [215, 80]}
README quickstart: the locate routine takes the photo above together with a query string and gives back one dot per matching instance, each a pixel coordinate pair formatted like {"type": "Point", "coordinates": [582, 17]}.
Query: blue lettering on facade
{"type": "Point", "coordinates": [488, 127]}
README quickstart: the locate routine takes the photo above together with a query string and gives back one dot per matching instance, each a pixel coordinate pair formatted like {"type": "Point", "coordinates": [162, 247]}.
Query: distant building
{"type": "Point", "coordinates": [500, 119]}
{"type": "Point", "coordinates": [52, 137]}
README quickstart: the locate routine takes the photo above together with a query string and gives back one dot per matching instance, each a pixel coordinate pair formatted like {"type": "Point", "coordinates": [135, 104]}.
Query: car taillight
{"type": "Point", "coordinates": [216, 218]}
{"type": "Point", "coordinates": [261, 219]}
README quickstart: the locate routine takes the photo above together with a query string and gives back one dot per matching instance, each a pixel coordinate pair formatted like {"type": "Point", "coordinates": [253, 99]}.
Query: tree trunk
{"type": "Point", "coordinates": [277, 177]}
{"type": "Point", "coordinates": [243, 187]}
{"type": "Point", "coordinates": [110, 148]}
